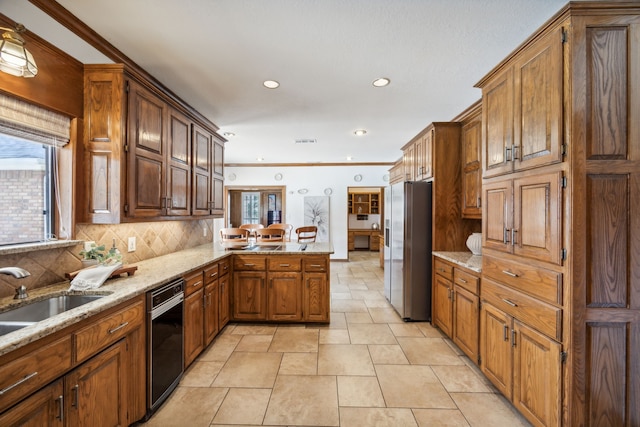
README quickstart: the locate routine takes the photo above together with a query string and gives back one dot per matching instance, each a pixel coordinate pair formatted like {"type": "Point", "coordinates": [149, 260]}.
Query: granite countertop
{"type": "Point", "coordinates": [464, 259]}
{"type": "Point", "coordinates": [151, 274]}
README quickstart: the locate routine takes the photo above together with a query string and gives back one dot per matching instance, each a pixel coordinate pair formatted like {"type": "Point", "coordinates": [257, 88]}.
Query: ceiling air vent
{"type": "Point", "coordinates": [306, 141]}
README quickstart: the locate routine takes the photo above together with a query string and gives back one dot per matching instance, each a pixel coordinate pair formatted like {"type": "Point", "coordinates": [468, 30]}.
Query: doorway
{"type": "Point", "coordinates": [254, 205]}
{"type": "Point", "coordinates": [365, 217]}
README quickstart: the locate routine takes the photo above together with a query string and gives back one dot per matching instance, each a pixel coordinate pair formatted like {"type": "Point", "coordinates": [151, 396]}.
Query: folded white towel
{"type": "Point", "coordinates": [93, 277]}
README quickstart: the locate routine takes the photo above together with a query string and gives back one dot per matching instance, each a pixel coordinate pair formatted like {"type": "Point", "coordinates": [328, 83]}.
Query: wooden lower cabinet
{"type": "Point", "coordinates": [442, 315]}
{"type": "Point", "coordinates": [523, 364]}
{"type": "Point", "coordinates": [285, 296]}
{"type": "Point", "coordinates": [224, 299]}
{"type": "Point", "coordinates": [249, 295]}
{"type": "Point", "coordinates": [466, 309]}
{"type": "Point", "coordinates": [316, 306]}
{"type": "Point", "coordinates": [45, 408]}
{"type": "Point", "coordinates": [211, 310]}
{"type": "Point", "coordinates": [193, 326]}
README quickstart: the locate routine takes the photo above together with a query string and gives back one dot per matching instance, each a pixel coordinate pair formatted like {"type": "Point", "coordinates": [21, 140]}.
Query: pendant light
{"type": "Point", "coordinates": [15, 59]}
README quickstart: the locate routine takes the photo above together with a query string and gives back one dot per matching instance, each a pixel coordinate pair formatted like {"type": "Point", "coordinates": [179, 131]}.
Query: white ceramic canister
{"type": "Point", "coordinates": [474, 243]}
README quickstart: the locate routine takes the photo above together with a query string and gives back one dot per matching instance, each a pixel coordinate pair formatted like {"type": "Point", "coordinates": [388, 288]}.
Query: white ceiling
{"type": "Point", "coordinates": [215, 54]}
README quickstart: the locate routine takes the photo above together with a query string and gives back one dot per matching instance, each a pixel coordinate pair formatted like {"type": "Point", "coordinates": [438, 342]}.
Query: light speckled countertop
{"type": "Point", "coordinates": [464, 259]}
{"type": "Point", "coordinates": [151, 274]}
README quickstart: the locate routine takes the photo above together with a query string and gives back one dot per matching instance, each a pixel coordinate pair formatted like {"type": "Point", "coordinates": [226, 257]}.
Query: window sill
{"type": "Point", "coordinates": [39, 246]}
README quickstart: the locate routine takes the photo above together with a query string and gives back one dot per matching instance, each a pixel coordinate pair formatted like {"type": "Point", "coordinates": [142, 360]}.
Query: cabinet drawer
{"type": "Point", "coordinates": [538, 282]}
{"type": "Point", "coordinates": [466, 280]}
{"type": "Point", "coordinates": [93, 338]}
{"type": "Point", "coordinates": [284, 263]}
{"type": "Point", "coordinates": [314, 264]}
{"type": "Point", "coordinates": [26, 374]}
{"type": "Point", "coordinates": [223, 267]}
{"type": "Point", "coordinates": [539, 315]}
{"type": "Point", "coordinates": [443, 269]}
{"type": "Point", "coordinates": [193, 282]}
{"type": "Point", "coordinates": [211, 273]}
{"type": "Point", "coordinates": [249, 262]}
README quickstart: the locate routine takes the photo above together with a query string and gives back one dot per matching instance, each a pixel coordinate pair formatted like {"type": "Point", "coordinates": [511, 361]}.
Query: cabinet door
{"type": "Point", "coordinates": [193, 326]}
{"type": "Point", "coordinates": [442, 307]}
{"type": "Point", "coordinates": [202, 170]}
{"type": "Point", "coordinates": [43, 409]}
{"type": "Point", "coordinates": [472, 179]}
{"type": "Point", "coordinates": [211, 308]}
{"type": "Point", "coordinates": [178, 165]}
{"type": "Point", "coordinates": [428, 155]}
{"type": "Point", "coordinates": [224, 301]}
{"type": "Point", "coordinates": [495, 348]}
{"type": "Point", "coordinates": [536, 376]}
{"type": "Point", "coordinates": [146, 168]}
{"type": "Point", "coordinates": [408, 160]}
{"type": "Point", "coordinates": [418, 163]}
{"type": "Point", "coordinates": [537, 202]}
{"type": "Point", "coordinates": [96, 392]}
{"type": "Point", "coordinates": [497, 120]}
{"type": "Point", "coordinates": [538, 104]}
{"type": "Point", "coordinates": [465, 321]}
{"type": "Point", "coordinates": [249, 295]}
{"type": "Point", "coordinates": [316, 297]}
{"type": "Point", "coordinates": [285, 296]}
{"type": "Point", "coordinates": [497, 214]}
{"type": "Point", "coordinates": [217, 185]}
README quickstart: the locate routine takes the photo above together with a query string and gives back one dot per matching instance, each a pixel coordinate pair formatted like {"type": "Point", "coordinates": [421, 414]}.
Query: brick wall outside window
{"type": "Point", "coordinates": [21, 206]}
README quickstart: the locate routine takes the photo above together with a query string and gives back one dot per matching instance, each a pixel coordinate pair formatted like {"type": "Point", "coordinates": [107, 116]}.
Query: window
{"type": "Point", "coordinates": [250, 207]}
{"type": "Point", "coordinates": [26, 208]}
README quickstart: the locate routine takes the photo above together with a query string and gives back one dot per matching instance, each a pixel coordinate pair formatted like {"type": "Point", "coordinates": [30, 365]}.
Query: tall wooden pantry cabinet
{"type": "Point", "coordinates": [560, 314]}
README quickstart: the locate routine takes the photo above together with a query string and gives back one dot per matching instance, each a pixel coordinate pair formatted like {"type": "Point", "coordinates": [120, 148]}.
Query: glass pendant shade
{"type": "Point", "coordinates": [14, 58]}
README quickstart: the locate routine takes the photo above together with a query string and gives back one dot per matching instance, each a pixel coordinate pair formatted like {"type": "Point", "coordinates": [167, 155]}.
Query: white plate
{"type": "Point", "coordinates": [328, 191]}
{"type": "Point", "coordinates": [357, 178]}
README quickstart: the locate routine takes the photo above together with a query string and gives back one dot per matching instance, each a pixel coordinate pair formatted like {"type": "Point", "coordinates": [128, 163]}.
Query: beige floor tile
{"type": "Point", "coordinates": [299, 364]}
{"type": "Point", "coordinates": [428, 330]}
{"type": "Point", "coordinates": [246, 369]}
{"type": "Point", "coordinates": [243, 406]}
{"type": "Point", "coordinates": [405, 330]}
{"type": "Point", "coordinates": [368, 294]}
{"type": "Point", "coordinates": [474, 407]}
{"type": "Point", "coordinates": [359, 391]}
{"type": "Point", "coordinates": [345, 306]}
{"type": "Point", "coordinates": [375, 333]}
{"type": "Point", "coordinates": [428, 351]}
{"type": "Point", "coordinates": [358, 318]}
{"type": "Point", "coordinates": [303, 401]}
{"type": "Point", "coordinates": [334, 336]}
{"type": "Point", "coordinates": [338, 321]}
{"type": "Point", "coordinates": [343, 359]}
{"type": "Point", "coordinates": [358, 285]}
{"type": "Point", "coordinates": [384, 315]}
{"type": "Point", "coordinates": [254, 343]}
{"type": "Point", "coordinates": [377, 303]}
{"type": "Point", "coordinates": [221, 348]}
{"type": "Point", "coordinates": [294, 340]}
{"type": "Point", "coordinates": [412, 386]}
{"type": "Point", "coordinates": [201, 374]}
{"type": "Point", "coordinates": [250, 329]}
{"type": "Point", "coordinates": [387, 355]}
{"type": "Point", "coordinates": [193, 406]}
{"type": "Point", "coordinates": [378, 417]}
{"type": "Point", "coordinates": [440, 418]}
{"type": "Point", "coordinates": [339, 288]}
{"type": "Point", "coordinates": [460, 379]}
{"type": "Point", "coordinates": [341, 295]}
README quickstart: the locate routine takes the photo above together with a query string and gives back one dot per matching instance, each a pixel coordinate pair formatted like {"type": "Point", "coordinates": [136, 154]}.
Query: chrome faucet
{"type": "Point", "coordinates": [18, 273]}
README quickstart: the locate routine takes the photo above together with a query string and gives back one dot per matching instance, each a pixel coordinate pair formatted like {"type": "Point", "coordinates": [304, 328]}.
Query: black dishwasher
{"type": "Point", "coordinates": [165, 334]}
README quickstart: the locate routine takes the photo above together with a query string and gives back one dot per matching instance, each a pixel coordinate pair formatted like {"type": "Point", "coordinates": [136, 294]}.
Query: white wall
{"type": "Point", "coordinates": [315, 179]}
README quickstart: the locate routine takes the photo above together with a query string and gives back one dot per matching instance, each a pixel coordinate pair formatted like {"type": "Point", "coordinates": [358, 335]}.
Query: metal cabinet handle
{"type": "Point", "coordinates": [505, 235]}
{"type": "Point", "coordinates": [316, 265]}
{"type": "Point", "coordinates": [507, 152]}
{"type": "Point", "coordinates": [198, 283]}
{"type": "Point", "coordinates": [506, 332]}
{"type": "Point", "coordinates": [249, 265]}
{"type": "Point", "coordinates": [17, 383]}
{"type": "Point", "coordinates": [111, 331]}
{"type": "Point", "coordinates": [514, 152]}
{"type": "Point", "coordinates": [462, 280]}
{"type": "Point", "coordinates": [511, 303]}
{"type": "Point", "coordinates": [74, 402]}
{"type": "Point", "coordinates": [513, 236]}
{"type": "Point", "coordinates": [513, 338]}
{"type": "Point", "coordinates": [284, 265]}
{"type": "Point", "coordinates": [60, 400]}
{"type": "Point", "coordinates": [508, 273]}
{"type": "Point", "coordinates": [479, 202]}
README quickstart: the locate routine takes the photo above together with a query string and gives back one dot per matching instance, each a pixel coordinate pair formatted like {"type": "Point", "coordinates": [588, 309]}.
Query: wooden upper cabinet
{"type": "Point", "coordinates": [417, 156]}
{"type": "Point", "coordinates": [202, 171]}
{"type": "Point", "coordinates": [408, 162]}
{"type": "Point", "coordinates": [217, 187]}
{"type": "Point", "coordinates": [522, 110]}
{"type": "Point", "coordinates": [471, 167]}
{"type": "Point", "coordinates": [178, 165]}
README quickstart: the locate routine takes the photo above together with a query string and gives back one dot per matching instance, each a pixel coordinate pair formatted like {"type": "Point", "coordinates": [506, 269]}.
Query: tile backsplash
{"type": "Point", "coordinates": [49, 266]}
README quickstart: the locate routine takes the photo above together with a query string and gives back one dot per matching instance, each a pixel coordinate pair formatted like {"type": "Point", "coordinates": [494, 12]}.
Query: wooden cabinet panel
{"type": "Point", "coordinates": [178, 165]}
{"type": "Point", "coordinates": [442, 308]}
{"type": "Point", "coordinates": [466, 280]}
{"type": "Point", "coordinates": [193, 326]}
{"type": "Point", "coordinates": [249, 262]}
{"type": "Point", "coordinates": [495, 348]}
{"type": "Point", "coordinates": [536, 376]}
{"type": "Point", "coordinates": [285, 296]}
{"type": "Point", "coordinates": [443, 269]}
{"type": "Point", "coordinates": [202, 171]}
{"type": "Point", "coordinates": [249, 295]}
{"type": "Point", "coordinates": [497, 119]}
{"type": "Point", "coordinates": [284, 263]}
{"type": "Point", "coordinates": [45, 408]}
{"type": "Point", "coordinates": [96, 391]}
{"type": "Point", "coordinates": [224, 305]}
{"type": "Point", "coordinates": [211, 309]}
{"type": "Point", "coordinates": [471, 167]}
{"type": "Point", "coordinates": [316, 297]}
{"type": "Point", "coordinates": [466, 319]}
{"type": "Point", "coordinates": [496, 214]}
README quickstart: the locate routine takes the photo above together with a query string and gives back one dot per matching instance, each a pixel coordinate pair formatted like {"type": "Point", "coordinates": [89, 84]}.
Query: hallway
{"type": "Point", "coordinates": [366, 368]}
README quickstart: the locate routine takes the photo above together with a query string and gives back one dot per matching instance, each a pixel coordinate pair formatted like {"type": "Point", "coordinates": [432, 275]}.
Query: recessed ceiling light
{"type": "Point", "coordinates": [229, 134]}
{"type": "Point", "coordinates": [381, 82]}
{"type": "Point", "coordinates": [349, 158]}
{"type": "Point", "coordinates": [360, 132]}
{"type": "Point", "coordinates": [259, 159]}
{"type": "Point", "coordinates": [270, 84]}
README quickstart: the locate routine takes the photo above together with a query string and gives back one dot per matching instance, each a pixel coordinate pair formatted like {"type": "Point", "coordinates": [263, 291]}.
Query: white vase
{"type": "Point", "coordinates": [89, 262]}
{"type": "Point", "coordinates": [474, 243]}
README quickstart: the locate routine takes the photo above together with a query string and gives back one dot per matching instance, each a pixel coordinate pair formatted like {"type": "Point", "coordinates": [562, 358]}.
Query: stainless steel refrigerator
{"type": "Point", "coordinates": [407, 249]}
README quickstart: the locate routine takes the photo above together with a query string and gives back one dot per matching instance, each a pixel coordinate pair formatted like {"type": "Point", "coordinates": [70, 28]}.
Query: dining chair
{"type": "Point", "coordinates": [288, 228]}
{"type": "Point", "coordinates": [252, 228]}
{"type": "Point", "coordinates": [307, 234]}
{"type": "Point", "coordinates": [234, 234]}
{"type": "Point", "coordinates": [270, 234]}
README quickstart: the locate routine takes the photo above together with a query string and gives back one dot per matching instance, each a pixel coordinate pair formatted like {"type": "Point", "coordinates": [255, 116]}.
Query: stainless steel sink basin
{"type": "Point", "coordinates": [29, 314]}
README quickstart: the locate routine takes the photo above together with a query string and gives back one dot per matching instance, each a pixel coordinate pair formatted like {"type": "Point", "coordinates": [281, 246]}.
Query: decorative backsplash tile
{"type": "Point", "coordinates": [49, 266]}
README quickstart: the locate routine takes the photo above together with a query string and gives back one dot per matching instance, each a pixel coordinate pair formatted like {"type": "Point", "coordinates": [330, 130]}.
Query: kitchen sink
{"type": "Point", "coordinates": [29, 314]}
